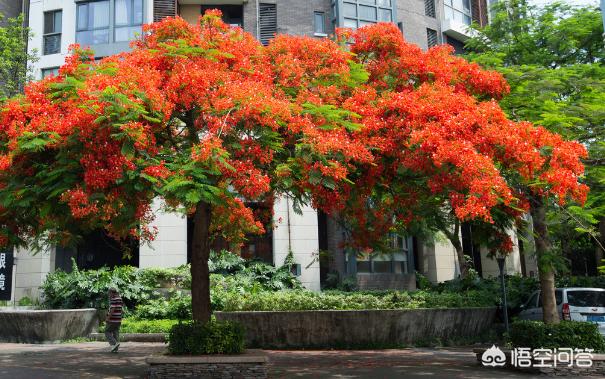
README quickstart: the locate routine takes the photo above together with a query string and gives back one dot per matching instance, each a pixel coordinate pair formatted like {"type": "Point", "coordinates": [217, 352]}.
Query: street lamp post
{"type": "Point", "coordinates": [501, 261]}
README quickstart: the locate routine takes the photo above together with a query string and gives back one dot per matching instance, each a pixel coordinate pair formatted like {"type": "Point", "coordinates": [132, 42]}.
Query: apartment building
{"type": "Point", "coordinates": [108, 26]}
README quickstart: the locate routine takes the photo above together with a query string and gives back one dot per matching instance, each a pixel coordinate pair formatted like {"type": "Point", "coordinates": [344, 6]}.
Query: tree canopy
{"type": "Point", "coordinates": [552, 58]}
{"type": "Point", "coordinates": [206, 118]}
{"type": "Point", "coordinates": [14, 57]}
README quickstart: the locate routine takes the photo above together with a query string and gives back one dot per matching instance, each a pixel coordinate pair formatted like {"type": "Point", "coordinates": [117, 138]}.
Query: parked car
{"type": "Point", "coordinates": [577, 304]}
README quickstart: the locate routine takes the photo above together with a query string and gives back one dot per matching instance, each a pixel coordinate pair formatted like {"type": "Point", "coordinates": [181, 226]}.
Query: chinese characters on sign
{"type": "Point", "coordinates": [539, 358]}
{"type": "Point", "coordinates": [548, 358]}
{"type": "Point", "coordinates": [6, 274]}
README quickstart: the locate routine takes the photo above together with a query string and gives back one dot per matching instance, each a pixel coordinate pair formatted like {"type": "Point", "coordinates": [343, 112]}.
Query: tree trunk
{"type": "Point", "coordinates": [454, 238]}
{"type": "Point", "coordinates": [599, 250]}
{"type": "Point", "coordinates": [545, 268]}
{"type": "Point", "coordinates": [200, 252]}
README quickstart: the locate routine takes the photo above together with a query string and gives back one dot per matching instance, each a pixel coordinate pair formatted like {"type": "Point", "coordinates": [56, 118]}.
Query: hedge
{"type": "Point", "coordinates": [214, 337]}
{"type": "Point", "coordinates": [568, 334]}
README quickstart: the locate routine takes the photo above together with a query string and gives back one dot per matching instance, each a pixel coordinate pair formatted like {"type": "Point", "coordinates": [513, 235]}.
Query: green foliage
{"type": "Point", "coordinates": [557, 82]}
{"type": "Point", "coordinates": [571, 334]}
{"type": "Point", "coordinates": [214, 337]}
{"type": "Point", "coordinates": [139, 287]}
{"type": "Point", "coordinates": [88, 288]}
{"type": "Point", "coordinates": [242, 275]}
{"type": "Point", "coordinates": [14, 70]}
{"type": "Point", "coordinates": [224, 262]}
{"type": "Point", "coordinates": [26, 301]}
{"type": "Point", "coordinates": [178, 277]}
{"type": "Point", "coordinates": [130, 325]}
{"type": "Point", "coordinates": [177, 306]}
{"type": "Point", "coordinates": [335, 300]}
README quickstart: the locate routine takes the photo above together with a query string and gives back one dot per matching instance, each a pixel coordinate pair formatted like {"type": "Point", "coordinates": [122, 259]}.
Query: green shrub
{"type": "Point", "coordinates": [336, 300]}
{"type": "Point", "coordinates": [88, 288]}
{"type": "Point", "coordinates": [26, 301]}
{"type": "Point", "coordinates": [176, 307]}
{"type": "Point", "coordinates": [572, 334]}
{"type": "Point", "coordinates": [154, 277]}
{"type": "Point", "coordinates": [214, 337]}
{"type": "Point", "coordinates": [130, 325]}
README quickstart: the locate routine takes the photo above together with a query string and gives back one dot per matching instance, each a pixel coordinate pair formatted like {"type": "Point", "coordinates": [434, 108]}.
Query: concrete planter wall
{"type": "Point", "coordinates": [367, 328]}
{"type": "Point", "coordinates": [38, 326]}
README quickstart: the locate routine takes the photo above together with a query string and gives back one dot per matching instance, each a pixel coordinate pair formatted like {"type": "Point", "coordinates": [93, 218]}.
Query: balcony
{"type": "Point", "coordinates": [457, 30]}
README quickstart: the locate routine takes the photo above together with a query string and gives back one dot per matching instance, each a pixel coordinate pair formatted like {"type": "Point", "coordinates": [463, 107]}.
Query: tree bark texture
{"type": "Point", "coordinates": [200, 252]}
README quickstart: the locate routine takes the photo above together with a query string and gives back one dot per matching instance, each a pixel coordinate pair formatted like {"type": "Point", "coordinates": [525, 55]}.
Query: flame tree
{"type": "Point", "coordinates": [205, 118]}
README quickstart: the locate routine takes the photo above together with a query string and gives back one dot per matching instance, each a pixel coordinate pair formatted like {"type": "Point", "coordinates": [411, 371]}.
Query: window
{"type": "Point", "coordinates": [92, 24]}
{"type": "Point", "coordinates": [46, 72]}
{"type": "Point", "coordinates": [52, 32]}
{"type": "Point", "coordinates": [268, 22]}
{"type": "Point", "coordinates": [358, 13]}
{"type": "Point", "coordinates": [232, 14]}
{"type": "Point", "coordinates": [429, 8]}
{"type": "Point", "coordinates": [128, 19]}
{"type": "Point", "coordinates": [319, 23]}
{"type": "Point", "coordinates": [458, 10]}
{"type": "Point", "coordinates": [431, 38]}
{"type": "Point", "coordinates": [394, 262]}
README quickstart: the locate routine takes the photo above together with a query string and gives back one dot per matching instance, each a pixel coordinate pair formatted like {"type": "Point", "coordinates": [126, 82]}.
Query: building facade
{"type": "Point", "coordinates": [108, 26]}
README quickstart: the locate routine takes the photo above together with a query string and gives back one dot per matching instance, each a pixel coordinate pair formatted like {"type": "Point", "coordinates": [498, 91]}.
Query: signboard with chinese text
{"type": "Point", "coordinates": [6, 274]}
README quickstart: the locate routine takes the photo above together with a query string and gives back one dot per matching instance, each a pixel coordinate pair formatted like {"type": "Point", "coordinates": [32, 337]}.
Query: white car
{"type": "Point", "coordinates": [576, 304]}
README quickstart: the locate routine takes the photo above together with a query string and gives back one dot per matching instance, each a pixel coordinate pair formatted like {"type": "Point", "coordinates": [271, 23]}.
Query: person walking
{"type": "Point", "coordinates": [113, 321]}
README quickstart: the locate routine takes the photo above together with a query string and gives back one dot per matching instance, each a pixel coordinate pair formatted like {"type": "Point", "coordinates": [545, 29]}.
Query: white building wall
{"type": "Point", "coordinates": [169, 248]}
{"type": "Point", "coordinates": [30, 271]}
{"type": "Point", "coordinates": [489, 266]}
{"type": "Point", "coordinates": [68, 30]}
{"type": "Point", "coordinates": [438, 260]}
{"type": "Point", "coordinates": [301, 236]}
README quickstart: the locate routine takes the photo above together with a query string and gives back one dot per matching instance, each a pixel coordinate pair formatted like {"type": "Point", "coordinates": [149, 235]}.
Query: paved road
{"type": "Point", "coordinates": [92, 360]}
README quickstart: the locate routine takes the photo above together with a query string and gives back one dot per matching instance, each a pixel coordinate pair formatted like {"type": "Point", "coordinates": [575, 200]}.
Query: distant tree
{"type": "Point", "coordinates": [14, 57]}
{"type": "Point", "coordinates": [552, 58]}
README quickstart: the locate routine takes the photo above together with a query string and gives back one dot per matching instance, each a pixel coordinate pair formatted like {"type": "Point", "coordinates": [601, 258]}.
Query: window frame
{"type": "Point", "coordinates": [466, 13]}
{"type": "Point", "coordinates": [54, 33]}
{"type": "Point", "coordinates": [87, 3]}
{"type": "Point", "coordinates": [380, 8]}
{"type": "Point", "coordinates": [324, 29]}
{"type": "Point", "coordinates": [131, 23]}
{"type": "Point", "coordinates": [52, 70]}
{"type": "Point", "coordinates": [112, 26]}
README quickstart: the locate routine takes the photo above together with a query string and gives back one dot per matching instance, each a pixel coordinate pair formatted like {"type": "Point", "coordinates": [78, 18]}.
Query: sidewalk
{"type": "Point", "coordinates": [92, 360]}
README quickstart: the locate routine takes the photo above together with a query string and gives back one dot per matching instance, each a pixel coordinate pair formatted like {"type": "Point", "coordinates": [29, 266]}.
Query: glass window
{"type": "Point", "coordinates": [349, 10]}
{"type": "Point", "coordinates": [52, 32]}
{"type": "Point", "coordinates": [385, 15]}
{"type": "Point", "coordinates": [319, 21]}
{"type": "Point", "coordinates": [50, 71]}
{"type": "Point", "coordinates": [368, 13]}
{"type": "Point", "coordinates": [350, 23]}
{"type": "Point", "coordinates": [586, 298]}
{"type": "Point", "coordinates": [93, 23]}
{"type": "Point", "coordinates": [128, 19]}
{"type": "Point", "coordinates": [458, 10]}
{"type": "Point", "coordinates": [558, 296]}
